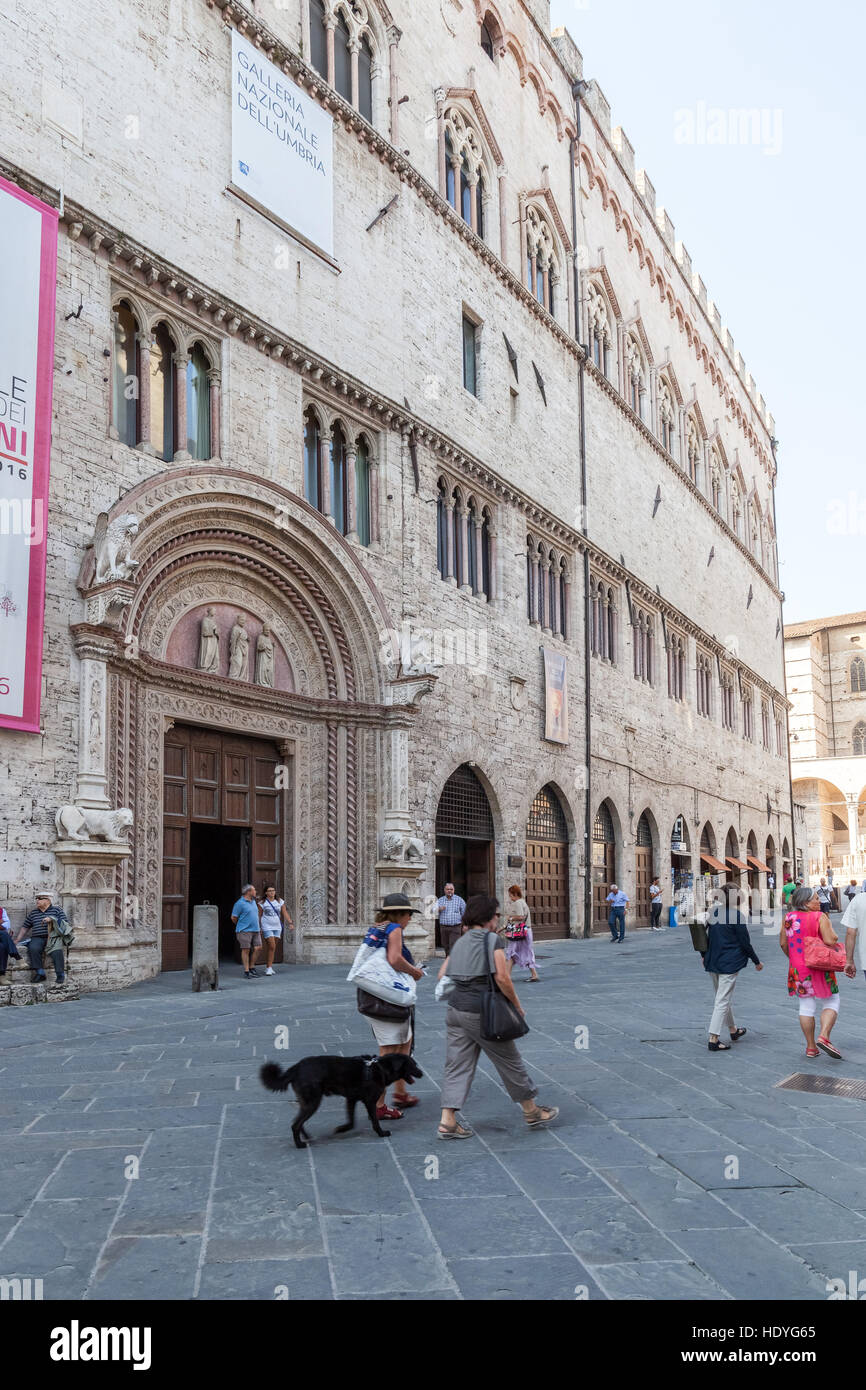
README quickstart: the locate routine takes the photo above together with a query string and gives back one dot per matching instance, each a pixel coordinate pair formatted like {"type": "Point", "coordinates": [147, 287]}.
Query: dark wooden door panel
{"type": "Point", "coordinates": [643, 872]}
{"type": "Point", "coordinates": [547, 888]}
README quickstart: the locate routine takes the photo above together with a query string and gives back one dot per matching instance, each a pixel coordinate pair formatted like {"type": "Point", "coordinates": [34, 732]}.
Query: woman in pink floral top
{"type": "Point", "coordinates": [806, 920]}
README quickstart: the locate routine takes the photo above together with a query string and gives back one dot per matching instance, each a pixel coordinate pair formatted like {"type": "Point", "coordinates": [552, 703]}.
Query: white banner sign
{"type": "Point", "coordinates": [282, 147]}
{"type": "Point", "coordinates": [28, 281]}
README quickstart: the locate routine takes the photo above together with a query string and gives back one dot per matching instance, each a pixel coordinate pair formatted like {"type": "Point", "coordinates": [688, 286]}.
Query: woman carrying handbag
{"type": "Point", "coordinates": [475, 1010]}
{"type": "Point", "coordinates": [392, 1024]}
{"type": "Point", "coordinates": [814, 955]}
{"type": "Point", "coordinates": [518, 934]}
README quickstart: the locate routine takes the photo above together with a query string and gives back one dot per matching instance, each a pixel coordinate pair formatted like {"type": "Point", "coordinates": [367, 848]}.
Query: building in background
{"type": "Point", "coordinates": [411, 507]}
{"type": "Point", "coordinates": [825, 663]}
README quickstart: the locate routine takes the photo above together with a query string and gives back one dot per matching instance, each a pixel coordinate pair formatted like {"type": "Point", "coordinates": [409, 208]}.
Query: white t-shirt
{"type": "Point", "coordinates": [655, 891]}
{"type": "Point", "coordinates": [271, 912]}
{"type": "Point", "coordinates": [855, 916]}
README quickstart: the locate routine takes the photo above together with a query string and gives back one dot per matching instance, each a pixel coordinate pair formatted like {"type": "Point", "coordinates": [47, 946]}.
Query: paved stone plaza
{"type": "Point", "coordinates": [626, 1198]}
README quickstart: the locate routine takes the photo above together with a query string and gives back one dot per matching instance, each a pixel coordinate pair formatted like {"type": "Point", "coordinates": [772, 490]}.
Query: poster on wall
{"type": "Point", "coordinates": [555, 696]}
{"type": "Point", "coordinates": [28, 282]}
{"type": "Point", "coordinates": [282, 148]}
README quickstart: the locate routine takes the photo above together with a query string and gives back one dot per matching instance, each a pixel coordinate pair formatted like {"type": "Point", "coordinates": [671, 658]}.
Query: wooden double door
{"type": "Point", "coordinates": [222, 828]}
{"type": "Point", "coordinates": [643, 877]}
{"type": "Point", "coordinates": [547, 888]}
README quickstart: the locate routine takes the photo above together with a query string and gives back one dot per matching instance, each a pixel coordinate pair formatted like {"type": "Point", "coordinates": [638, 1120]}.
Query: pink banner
{"type": "Point", "coordinates": [28, 283]}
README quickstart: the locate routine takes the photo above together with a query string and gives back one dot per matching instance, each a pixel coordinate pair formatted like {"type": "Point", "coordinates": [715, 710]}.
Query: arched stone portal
{"type": "Point", "coordinates": [237, 613]}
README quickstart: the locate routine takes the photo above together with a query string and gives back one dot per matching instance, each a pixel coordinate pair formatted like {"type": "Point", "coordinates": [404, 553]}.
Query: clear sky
{"type": "Point", "coordinates": [774, 229]}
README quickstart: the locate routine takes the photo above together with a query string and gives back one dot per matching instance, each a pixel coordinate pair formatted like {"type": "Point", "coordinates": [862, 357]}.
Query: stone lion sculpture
{"type": "Point", "coordinates": [392, 845]}
{"type": "Point", "coordinates": [82, 823]}
{"type": "Point", "coordinates": [414, 848]}
{"type": "Point", "coordinates": [112, 542]}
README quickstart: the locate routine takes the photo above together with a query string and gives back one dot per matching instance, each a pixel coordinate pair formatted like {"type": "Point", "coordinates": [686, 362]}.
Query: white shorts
{"type": "Point", "coordinates": [809, 1005]}
{"type": "Point", "coordinates": [271, 931]}
{"type": "Point", "coordinates": [389, 1033]}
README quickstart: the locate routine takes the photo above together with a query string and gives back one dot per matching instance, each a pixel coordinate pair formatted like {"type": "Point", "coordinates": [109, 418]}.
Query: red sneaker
{"type": "Point", "coordinates": [384, 1112]}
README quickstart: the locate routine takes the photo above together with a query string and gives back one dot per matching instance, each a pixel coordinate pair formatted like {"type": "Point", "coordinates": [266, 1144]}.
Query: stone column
{"type": "Point", "coordinates": [456, 166]}
{"type": "Point", "coordinates": [479, 558]}
{"type": "Point", "coordinates": [181, 361]}
{"type": "Point", "coordinates": [503, 217]}
{"type": "Point", "coordinates": [546, 612]}
{"type": "Point", "coordinates": [494, 587]}
{"type": "Point", "coordinates": [566, 606]}
{"type": "Point", "coordinates": [393, 39]}
{"type": "Point", "coordinates": [375, 531]}
{"type": "Point", "coordinates": [351, 491]}
{"type": "Point", "coordinates": [545, 287]}
{"type": "Point", "coordinates": [353, 58]}
{"type": "Point", "coordinates": [524, 250]}
{"type": "Point", "coordinates": [325, 475]}
{"type": "Point", "coordinates": [330, 26]}
{"type": "Point", "coordinates": [533, 274]}
{"type": "Point", "coordinates": [463, 579]}
{"type": "Point", "coordinates": [214, 379]}
{"type": "Point", "coordinates": [852, 803]}
{"type": "Point", "coordinates": [554, 603]}
{"type": "Point", "coordinates": [145, 343]}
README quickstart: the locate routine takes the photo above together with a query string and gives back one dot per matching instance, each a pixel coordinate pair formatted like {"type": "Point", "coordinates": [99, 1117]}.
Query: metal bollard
{"type": "Point", "coordinates": [205, 947]}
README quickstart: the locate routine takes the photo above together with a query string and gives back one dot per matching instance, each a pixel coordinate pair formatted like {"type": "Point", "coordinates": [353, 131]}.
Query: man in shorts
{"type": "Point", "coordinates": [245, 915]}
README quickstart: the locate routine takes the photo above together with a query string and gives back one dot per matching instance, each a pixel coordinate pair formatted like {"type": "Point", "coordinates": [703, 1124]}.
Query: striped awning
{"type": "Point", "coordinates": [735, 863]}
{"type": "Point", "coordinates": [715, 864]}
{"type": "Point", "coordinates": [759, 864]}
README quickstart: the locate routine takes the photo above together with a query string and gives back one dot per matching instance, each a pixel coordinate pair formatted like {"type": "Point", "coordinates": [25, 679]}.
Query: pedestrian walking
{"type": "Point", "coordinates": [394, 1034]}
{"type": "Point", "coordinates": [519, 948]}
{"type": "Point", "coordinates": [789, 887]}
{"type": "Point", "coordinates": [806, 921]}
{"type": "Point", "coordinates": [655, 892]}
{"type": "Point", "coordinates": [616, 917]}
{"type": "Point", "coordinates": [245, 915]}
{"type": "Point", "coordinates": [854, 923]}
{"type": "Point", "coordinates": [771, 889]}
{"type": "Point", "coordinates": [824, 895]}
{"type": "Point", "coordinates": [729, 950]}
{"type": "Point", "coordinates": [478, 953]}
{"type": "Point", "coordinates": [850, 893]}
{"type": "Point", "coordinates": [34, 932]}
{"type": "Point", "coordinates": [450, 908]}
{"type": "Point", "coordinates": [273, 915]}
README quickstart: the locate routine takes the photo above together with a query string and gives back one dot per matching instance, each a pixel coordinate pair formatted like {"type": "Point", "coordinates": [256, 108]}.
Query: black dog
{"type": "Point", "coordinates": [357, 1078]}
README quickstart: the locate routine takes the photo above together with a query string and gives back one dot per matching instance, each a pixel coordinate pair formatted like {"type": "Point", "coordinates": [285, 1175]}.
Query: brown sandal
{"type": "Point", "coordinates": [541, 1115]}
{"type": "Point", "coordinates": [454, 1132]}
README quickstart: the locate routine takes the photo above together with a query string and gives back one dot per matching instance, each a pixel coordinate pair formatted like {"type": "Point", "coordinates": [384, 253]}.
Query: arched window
{"type": "Point", "coordinates": [542, 270]}
{"type": "Point", "coordinates": [441, 531]}
{"type": "Point", "coordinates": [472, 538]}
{"type": "Point", "coordinates": [676, 667]}
{"type": "Point", "coordinates": [716, 480]}
{"type": "Point", "coordinates": [748, 714]}
{"type": "Point", "coordinates": [858, 676]}
{"type": "Point", "coordinates": [318, 38]}
{"type": "Point", "coordinates": [485, 553]}
{"type": "Point", "coordinates": [312, 459]}
{"type": "Point", "coordinates": [198, 403]}
{"type": "Point", "coordinates": [338, 478]}
{"type": "Point", "coordinates": [737, 512]}
{"type": "Point", "coordinates": [667, 418]}
{"type": "Point", "coordinates": [704, 685]}
{"type": "Point", "coordinates": [765, 725]}
{"type": "Point", "coordinates": [563, 600]}
{"type": "Point", "coordinates": [602, 829]}
{"type": "Point", "coordinates": [163, 415]}
{"type": "Point", "coordinates": [603, 621]}
{"type": "Point", "coordinates": [459, 556]}
{"type": "Point", "coordinates": [859, 739]}
{"type": "Point", "coordinates": [127, 374]}
{"type": "Point", "coordinates": [644, 836]}
{"type": "Point", "coordinates": [465, 177]}
{"type": "Point", "coordinates": [635, 376]}
{"type": "Point", "coordinates": [365, 79]}
{"type": "Point", "coordinates": [530, 605]}
{"type": "Point", "coordinates": [342, 58]}
{"type": "Point", "coordinates": [542, 594]}
{"type": "Point", "coordinates": [599, 329]}
{"type": "Point", "coordinates": [362, 491]}
{"type": "Point", "coordinates": [552, 595]}
{"type": "Point", "coordinates": [780, 734]}
{"type": "Point", "coordinates": [728, 705]}
{"type": "Point", "coordinates": [642, 640]}
{"type": "Point", "coordinates": [487, 40]}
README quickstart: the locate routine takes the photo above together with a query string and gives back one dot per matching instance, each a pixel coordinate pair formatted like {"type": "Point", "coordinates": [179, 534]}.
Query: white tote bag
{"type": "Point", "coordinates": [372, 970]}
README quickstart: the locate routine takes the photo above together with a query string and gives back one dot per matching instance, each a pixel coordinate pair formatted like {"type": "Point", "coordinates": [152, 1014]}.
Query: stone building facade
{"type": "Point", "coordinates": [825, 662]}
{"type": "Point", "coordinates": [316, 518]}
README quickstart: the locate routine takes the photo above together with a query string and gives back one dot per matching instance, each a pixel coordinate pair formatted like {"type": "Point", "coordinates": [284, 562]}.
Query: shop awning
{"type": "Point", "coordinates": [715, 864]}
{"type": "Point", "coordinates": [759, 864]}
{"type": "Point", "coordinates": [735, 863]}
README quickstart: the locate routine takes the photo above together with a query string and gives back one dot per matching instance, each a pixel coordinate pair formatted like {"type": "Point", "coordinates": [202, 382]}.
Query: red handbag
{"type": "Point", "coordinates": [819, 956]}
{"type": "Point", "coordinates": [516, 932]}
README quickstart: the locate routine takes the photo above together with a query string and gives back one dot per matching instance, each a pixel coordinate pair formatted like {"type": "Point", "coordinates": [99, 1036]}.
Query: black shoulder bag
{"type": "Point", "coordinates": [371, 1007]}
{"type": "Point", "coordinates": [500, 1021]}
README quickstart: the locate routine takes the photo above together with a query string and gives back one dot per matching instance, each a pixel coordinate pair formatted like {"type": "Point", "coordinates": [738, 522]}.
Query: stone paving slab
{"type": "Point", "coordinates": [624, 1198]}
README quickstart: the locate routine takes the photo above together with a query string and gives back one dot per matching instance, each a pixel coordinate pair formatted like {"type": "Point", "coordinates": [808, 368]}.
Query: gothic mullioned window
{"type": "Point", "coordinates": [716, 484]}
{"type": "Point", "coordinates": [858, 676]}
{"type": "Point", "coordinates": [599, 329]}
{"type": "Point", "coordinates": [694, 451]}
{"type": "Point", "coordinates": [705, 685]}
{"type": "Point", "coordinates": [667, 418]}
{"type": "Point", "coordinates": [312, 459]}
{"type": "Point", "coordinates": [542, 270]}
{"type": "Point", "coordinates": [163, 414]}
{"type": "Point", "coordinates": [780, 734]}
{"type": "Point", "coordinates": [727, 696]}
{"type": "Point", "coordinates": [198, 369]}
{"type": "Point", "coordinates": [765, 725]}
{"type": "Point", "coordinates": [126, 415]}
{"type": "Point", "coordinates": [604, 610]}
{"type": "Point", "coordinates": [465, 175]}
{"type": "Point", "coordinates": [635, 376]}
{"type": "Point", "coordinates": [859, 739]}
{"type": "Point", "coordinates": [342, 49]}
{"type": "Point", "coordinates": [748, 714]}
{"type": "Point", "coordinates": [643, 645]}
{"type": "Point", "coordinates": [676, 666]}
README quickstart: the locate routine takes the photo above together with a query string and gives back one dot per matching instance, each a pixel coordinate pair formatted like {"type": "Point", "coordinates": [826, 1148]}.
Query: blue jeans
{"type": "Point", "coordinates": [617, 915]}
